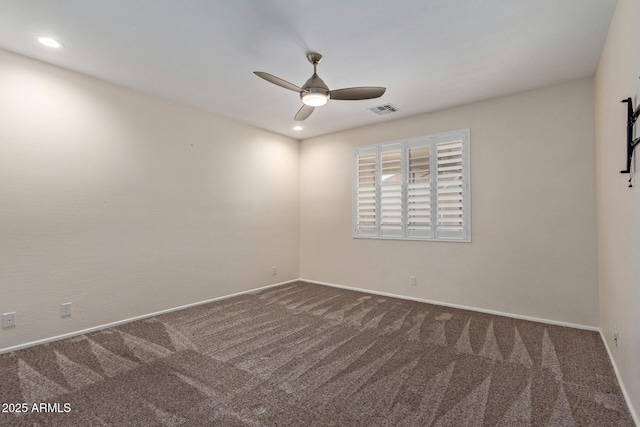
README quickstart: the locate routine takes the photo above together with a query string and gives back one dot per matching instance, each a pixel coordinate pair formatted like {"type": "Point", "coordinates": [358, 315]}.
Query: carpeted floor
{"type": "Point", "coordinates": [308, 355]}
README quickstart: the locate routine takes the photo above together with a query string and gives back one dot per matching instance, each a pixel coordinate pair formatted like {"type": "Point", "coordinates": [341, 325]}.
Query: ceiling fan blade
{"type": "Point", "coordinates": [278, 81]}
{"type": "Point", "coordinates": [304, 112]}
{"type": "Point", "coordinates": [356, 93]}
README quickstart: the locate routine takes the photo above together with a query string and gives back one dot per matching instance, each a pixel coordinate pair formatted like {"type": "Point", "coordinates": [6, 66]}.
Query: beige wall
{"type": "Point", "coordinates": [618, 205]}
{"type": "Point", "coordinates": [124, 204]}
{"type": "Point", "coordinates": [533, 250]}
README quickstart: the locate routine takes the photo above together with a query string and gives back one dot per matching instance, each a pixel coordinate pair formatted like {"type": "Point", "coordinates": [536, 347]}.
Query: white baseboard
{"type": "Point", "coordinates": [462, 307]}
{"type": "Point", "coordinates": [144, 316]}
{"type": "Point", "coordinates": [634, 415]}
{"type": "Point", "coordinates": [169, 310]}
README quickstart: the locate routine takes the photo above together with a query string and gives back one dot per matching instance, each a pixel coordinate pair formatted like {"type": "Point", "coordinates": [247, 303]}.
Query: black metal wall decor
{"type": "Point", "coordinates": [632, 116]}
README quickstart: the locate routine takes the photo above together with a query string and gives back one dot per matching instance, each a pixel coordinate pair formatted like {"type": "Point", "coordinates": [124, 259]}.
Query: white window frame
{"type": "Point", "coordinates": [385, 228]}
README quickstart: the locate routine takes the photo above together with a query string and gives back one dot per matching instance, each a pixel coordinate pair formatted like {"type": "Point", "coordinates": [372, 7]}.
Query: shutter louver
{"type": "Point", "coordinates": [450, 192]}
{"type": "Point", "coordinates": [419, 191]}
{"type": "Point", "coordinates": [366, 193]}
{"type": "Point", "coordinates": [391, 191]}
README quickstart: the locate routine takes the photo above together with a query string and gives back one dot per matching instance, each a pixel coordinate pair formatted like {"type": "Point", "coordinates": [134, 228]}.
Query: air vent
{"type": "Point", "coordinates": [384, 109]}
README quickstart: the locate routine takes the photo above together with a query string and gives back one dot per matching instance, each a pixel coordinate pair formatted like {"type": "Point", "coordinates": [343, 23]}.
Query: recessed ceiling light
{"type": "Point", "coordinates": [48, 41]}
{"type": "Point", "coordinates": [297, 128]}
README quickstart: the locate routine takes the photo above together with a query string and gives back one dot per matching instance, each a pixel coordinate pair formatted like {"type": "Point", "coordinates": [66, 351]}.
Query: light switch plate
{"type": "Point", "coordinates": [65, 309]}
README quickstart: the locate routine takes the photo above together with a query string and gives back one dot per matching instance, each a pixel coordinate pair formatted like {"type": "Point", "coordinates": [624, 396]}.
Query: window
{"type": "Point", "coordinates": [414, 189]}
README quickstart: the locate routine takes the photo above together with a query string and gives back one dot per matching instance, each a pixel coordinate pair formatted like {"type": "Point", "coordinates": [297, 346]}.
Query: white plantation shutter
{"type": "Point", "coordinates": [391, 190]}
{"type": "Point", "coordinates": [416, 189]}
{"type": "Point", "coordinates": [365, 204]}
{"type": "Point", "coordinates": [419, 190]}
{"type": "Point", "coordinates": [450, 187]}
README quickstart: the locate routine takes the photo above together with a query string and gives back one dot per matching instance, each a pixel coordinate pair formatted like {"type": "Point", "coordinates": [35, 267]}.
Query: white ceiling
{"type": "Point", "coordinates": [430, 54]}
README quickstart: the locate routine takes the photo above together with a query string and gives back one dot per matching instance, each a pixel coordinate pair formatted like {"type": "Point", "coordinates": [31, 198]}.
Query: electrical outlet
{"type": "Point", "coordinates": [616, 335]}
{"type": "Point", "coordinates": [413, 280]}
{"type": "Point", "coordinates": [65, 309]}
{"type": "Point", "coordinates": [274, 270]}
{"type": "Point", "coordinates": [9, 320]}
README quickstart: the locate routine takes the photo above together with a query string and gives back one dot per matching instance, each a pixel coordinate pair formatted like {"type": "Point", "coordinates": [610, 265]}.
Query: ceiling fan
{"type": "Point", "coordinates": [315, 92]}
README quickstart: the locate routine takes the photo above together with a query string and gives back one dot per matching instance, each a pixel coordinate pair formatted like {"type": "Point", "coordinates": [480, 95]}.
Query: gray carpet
{"type": "Point", "coordinates": [308, 355]}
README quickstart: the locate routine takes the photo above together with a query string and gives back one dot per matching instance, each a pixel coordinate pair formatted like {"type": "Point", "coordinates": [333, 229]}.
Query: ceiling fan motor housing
{"type": "Point", "coordinates": [315, 85]}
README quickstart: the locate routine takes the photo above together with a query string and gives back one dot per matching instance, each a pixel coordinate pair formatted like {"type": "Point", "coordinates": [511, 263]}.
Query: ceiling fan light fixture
{"type": "Point", "coordinates": [314, 99]}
